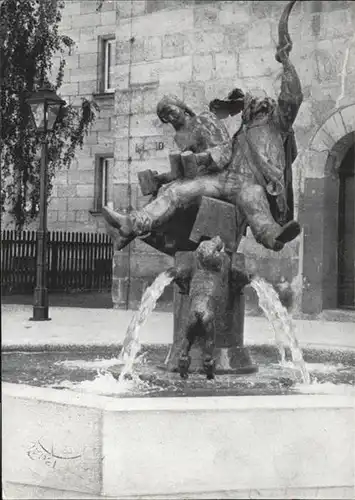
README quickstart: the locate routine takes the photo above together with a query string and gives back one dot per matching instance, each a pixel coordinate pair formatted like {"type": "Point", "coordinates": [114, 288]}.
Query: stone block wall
{"type": "Point", "coordinates": [200, 50]}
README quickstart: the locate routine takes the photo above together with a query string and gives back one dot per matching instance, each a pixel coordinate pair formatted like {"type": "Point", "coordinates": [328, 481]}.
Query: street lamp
{"type": "Point", "coordinates": [45, 107]}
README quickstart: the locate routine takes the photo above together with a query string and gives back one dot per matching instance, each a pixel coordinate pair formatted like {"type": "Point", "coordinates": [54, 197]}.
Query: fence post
{"type": "Point", "coordinates": [54, 266]}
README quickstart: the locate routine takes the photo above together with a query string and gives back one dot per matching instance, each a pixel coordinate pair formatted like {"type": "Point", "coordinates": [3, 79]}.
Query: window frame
{"type": "Point", "coordinates": [105, 42]}
{"type": "Point", "coordinates": [103, 185]}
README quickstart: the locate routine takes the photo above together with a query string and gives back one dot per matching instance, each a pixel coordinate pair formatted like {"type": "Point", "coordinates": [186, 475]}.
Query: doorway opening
{"type": "Point", "coordinates": [346, 232]}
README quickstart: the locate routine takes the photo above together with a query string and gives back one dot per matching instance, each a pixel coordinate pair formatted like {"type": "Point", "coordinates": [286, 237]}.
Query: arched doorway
{"type": "Point", "coordinates": [327, 215]}
{"type": "Point", "coordinates": [346, 231]}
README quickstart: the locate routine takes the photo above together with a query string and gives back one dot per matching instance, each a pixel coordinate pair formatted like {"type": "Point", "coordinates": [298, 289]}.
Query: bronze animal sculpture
{"type": "Point", "coordinates": [208, 282]}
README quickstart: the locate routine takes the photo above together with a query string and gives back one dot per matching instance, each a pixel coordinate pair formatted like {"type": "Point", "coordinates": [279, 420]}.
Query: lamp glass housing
{"type": "Point", "coordinates": [45, 107]}
{"type": "Point", "coordinates": [53, 110]}
{"type": "Point", "coordinates": [38, 114]}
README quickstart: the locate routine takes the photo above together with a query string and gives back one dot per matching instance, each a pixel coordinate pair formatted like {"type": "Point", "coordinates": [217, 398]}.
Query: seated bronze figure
{"type": "Point", "coordinates": [252, 171]}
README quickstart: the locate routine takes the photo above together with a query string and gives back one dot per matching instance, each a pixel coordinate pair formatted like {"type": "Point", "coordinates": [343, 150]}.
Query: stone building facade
{"type": "Point", "coordinates": [200, 50]}
{"type": "Point", "coordinates": [76, 194]}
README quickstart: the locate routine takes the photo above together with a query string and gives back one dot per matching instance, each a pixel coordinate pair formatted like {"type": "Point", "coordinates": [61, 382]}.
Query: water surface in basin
{"type": "Point", "coordinates": [90, 370]}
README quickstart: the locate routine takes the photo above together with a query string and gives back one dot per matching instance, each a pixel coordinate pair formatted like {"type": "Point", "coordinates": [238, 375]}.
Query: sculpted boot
{"type": "Point", "coordinates": [119, 241]}
{"type": "Point", "coordinates": [288, 232]}
{"type": "Point", "coordinates": [274, 236]}
{"type": "Point", "coordinates": [122, 222]}
{"type": "Point", "coordinates": [253, 201]}
{"type": "Point", "coordinates": [124, 228]}
{"type": "Point", "coordinates": [141, 222]}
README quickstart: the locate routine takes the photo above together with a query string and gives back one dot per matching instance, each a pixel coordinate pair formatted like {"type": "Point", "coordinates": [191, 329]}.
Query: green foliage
{"type": "Point", "coordinates": [29, 39]}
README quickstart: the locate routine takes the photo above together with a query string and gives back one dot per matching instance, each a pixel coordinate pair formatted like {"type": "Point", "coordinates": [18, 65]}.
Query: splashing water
{"type": "Point", "coordinates": [128, 381]}
{"type": "Point", "coordinates": [282, 324]}
{"type": "Point", "coordinates": [97, 364]}
{"type": "Point", "coordinates": [105, 384]}
{"type": "Point", "coordinates": [131, 344]}
{"type": "Point", "coordinates": [326, 388]}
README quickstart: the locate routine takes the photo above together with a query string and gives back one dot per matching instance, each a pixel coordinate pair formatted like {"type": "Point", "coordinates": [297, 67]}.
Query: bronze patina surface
{"type": "Point", "coordinates": [209, 315]}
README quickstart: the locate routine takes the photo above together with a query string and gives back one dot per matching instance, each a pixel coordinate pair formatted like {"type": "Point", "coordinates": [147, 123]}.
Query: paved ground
{"type": "Point", "coordinates": [91, 299]}
{"type": "Point", "coordinates": [79, 326]}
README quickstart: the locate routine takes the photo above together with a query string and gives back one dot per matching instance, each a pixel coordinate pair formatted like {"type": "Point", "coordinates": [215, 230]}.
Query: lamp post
{"type": "Point", "coordinates": [45, 107]}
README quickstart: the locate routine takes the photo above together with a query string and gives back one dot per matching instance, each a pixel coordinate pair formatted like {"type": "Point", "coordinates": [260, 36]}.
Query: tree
{"type": "Point", "coordinates": [29, 39]}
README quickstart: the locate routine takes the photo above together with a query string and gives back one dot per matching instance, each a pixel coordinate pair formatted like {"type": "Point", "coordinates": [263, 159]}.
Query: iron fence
{"type": "Point", "coordinates": [75, 261]}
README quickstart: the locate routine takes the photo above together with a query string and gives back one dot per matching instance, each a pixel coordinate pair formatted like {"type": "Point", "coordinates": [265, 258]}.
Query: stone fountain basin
{"type": "Point", "coordinates": [66, 444]}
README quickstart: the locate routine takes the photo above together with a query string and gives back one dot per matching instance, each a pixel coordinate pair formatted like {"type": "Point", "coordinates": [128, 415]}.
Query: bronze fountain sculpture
{"type": "Point", "coordinates": [217, 187]}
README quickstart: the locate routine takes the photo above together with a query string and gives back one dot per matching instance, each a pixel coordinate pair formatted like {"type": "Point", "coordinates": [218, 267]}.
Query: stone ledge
{"type": "Point", "coordinates": [95, 212]}
{"type": "Point", "coordinates": [104, 95]}
{"type": "Point", "coordinates": [171, 404]}
{"type": "Point", "coordinates": [139, 86]}
{"type": "Point", "coordinates": [16, 490]}
{"type": "Point", "coordinates": [273, 447]}
{"type": "Point", "coordinates": [341, 315]}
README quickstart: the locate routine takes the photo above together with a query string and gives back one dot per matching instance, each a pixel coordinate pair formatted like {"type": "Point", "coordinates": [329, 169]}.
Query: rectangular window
{"type": "Point", "coordinates": [104, 168]}
{"type": "Point", "coordinates": [104, 174]}
{"type": "Point", "coordinates": [109, 57]}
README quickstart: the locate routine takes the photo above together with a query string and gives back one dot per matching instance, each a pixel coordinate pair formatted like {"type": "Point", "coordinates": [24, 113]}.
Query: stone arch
{"type": "Point", "coordinates": [319, 209]}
